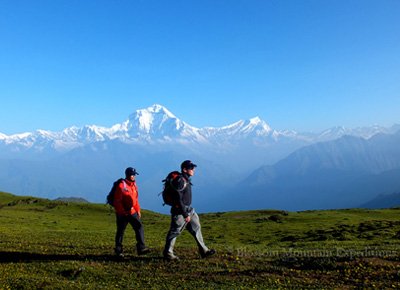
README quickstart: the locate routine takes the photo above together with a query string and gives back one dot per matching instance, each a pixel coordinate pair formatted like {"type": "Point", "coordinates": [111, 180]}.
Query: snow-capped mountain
{"type": "Point", "coordinates": [363, 132]}
{"type": "Point", "coordinates": [156, 124]}
{"type": "Point", "coordinates": [153, 124]}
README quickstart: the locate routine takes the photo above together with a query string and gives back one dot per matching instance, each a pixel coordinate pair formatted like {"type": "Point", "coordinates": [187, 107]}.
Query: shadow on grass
{"type": "Point", "coordinates": [23, 257]}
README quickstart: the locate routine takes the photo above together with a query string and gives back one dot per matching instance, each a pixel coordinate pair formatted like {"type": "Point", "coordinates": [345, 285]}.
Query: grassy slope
{"type": "Point", "coordinates": [47, 244]}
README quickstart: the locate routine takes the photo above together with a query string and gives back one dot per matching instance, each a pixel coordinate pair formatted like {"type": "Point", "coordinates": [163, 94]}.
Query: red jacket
{"type": "Point", "coordinates": [126, 199]}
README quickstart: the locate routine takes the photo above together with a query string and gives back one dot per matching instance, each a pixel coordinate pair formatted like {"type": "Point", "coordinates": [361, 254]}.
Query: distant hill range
{"type": "Point", "coordinates": [244, 165]}
{"type": "Point", "coordinates": [383, 201]}
{"type": "Point", "coordinates": [337, 174]}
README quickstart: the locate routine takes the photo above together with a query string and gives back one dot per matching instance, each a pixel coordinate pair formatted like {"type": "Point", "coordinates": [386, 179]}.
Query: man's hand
{"type": "Point", "coordinates": [187, 219]}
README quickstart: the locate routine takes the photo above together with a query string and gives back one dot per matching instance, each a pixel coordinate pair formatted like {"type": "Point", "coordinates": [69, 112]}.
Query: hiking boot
{"type": "Point", "coordinates": [208, 253]}
{"type": "Point", "coordinates": [143, 251]}
{"type": "Point", "coordinates": [118, 251]}
{"type": "Point", "coordinates": [119, 255]}
{"type": "Point", "coordinates": [171, 257]}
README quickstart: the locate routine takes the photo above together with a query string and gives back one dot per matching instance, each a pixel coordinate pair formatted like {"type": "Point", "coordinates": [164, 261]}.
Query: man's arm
{"type": "Point", "coordinates": [180, 185]}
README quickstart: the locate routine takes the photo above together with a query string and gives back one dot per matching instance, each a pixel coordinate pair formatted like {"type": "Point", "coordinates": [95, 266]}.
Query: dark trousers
{"type": "Point", "coordinates": [134, 221]}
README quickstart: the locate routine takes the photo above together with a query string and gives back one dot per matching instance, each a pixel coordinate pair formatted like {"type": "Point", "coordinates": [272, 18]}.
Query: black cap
{"type": "Point", "coordinates": [131, 171]}
{"type": "Point", "coordinates": [187, 164]}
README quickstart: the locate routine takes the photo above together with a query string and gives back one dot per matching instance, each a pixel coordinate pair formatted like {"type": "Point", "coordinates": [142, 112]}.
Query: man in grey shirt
{"type": "Point", "coordinates": [183, 215]}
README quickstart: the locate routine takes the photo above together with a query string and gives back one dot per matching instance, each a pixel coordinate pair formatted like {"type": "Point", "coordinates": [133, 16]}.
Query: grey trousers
{"type": "Point", "coordinates": [178, 224]}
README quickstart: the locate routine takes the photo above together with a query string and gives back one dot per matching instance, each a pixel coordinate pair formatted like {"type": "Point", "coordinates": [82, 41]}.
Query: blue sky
{"type": "Point", "coordinates": [303, 65]}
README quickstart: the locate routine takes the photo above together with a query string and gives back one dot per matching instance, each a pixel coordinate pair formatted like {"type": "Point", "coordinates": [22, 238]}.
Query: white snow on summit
{"type": "Point", "coordinates": [152, 118]}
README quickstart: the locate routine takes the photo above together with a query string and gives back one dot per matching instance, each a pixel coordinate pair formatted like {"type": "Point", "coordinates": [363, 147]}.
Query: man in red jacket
{"type": "Point", "coordinates": [127, 209]}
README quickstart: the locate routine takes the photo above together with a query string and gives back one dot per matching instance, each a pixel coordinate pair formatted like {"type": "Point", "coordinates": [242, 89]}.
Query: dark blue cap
{"type": "Point", "coordinates": [131, 171]}
{"type": "Point", "coordinates": [187, 164]}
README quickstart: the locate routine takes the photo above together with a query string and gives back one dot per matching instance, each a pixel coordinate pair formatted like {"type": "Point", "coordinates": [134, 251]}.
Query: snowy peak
{"type": "Point", "coordinates": [154, 116]}
{"type": "Point", "coordinates": [256, 125]}
{"type": "Point", "coordinates": [158, 109]}
{"type": "Point", "coordinates": [242, 127]}
{"type": "Point", "coordinates": [156, 122]}
{"type": "Point", "coordinates": [363, 132]}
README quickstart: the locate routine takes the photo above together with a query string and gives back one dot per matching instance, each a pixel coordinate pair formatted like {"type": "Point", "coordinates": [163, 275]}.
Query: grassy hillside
{"type": "Point", "coordinates": [60, 245]}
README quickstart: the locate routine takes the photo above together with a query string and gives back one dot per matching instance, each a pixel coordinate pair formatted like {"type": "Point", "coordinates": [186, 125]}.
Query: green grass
{"type": "Point", "coordinates": [59, 245]}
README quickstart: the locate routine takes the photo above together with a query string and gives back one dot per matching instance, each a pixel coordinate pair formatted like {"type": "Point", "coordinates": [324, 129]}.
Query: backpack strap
{"type": "Point", "coordinates": [125, 187]}
{"type": "Point", "coordinates": [181, 186]}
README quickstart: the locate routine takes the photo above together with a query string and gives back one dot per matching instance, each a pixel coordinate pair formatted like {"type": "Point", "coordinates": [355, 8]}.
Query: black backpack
{"type": "Point", "coordinates": [170, 193]}
{"type": "Point", "coordinates": [110, 195]}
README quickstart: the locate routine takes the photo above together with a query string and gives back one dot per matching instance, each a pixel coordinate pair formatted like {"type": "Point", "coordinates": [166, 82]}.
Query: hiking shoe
{"type": "Point", "coordinates": [119, 255]}
{"type": "Point", "coordinates": [171, 257]}
{"type": "Point", "coordinates": [143, 251]}
{"type": "Point", "coordinates": [208, 253]}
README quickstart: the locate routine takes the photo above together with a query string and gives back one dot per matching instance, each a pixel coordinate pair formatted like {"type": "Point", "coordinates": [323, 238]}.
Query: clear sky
{"type": "Point", "coordinates": [305, 65]}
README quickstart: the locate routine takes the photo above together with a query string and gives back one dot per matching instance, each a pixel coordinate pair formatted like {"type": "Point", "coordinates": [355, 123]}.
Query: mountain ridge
{"type": "Point", "coordinates": [340, 173]}
{"type": "Point", "coordinates": [157, 124]}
